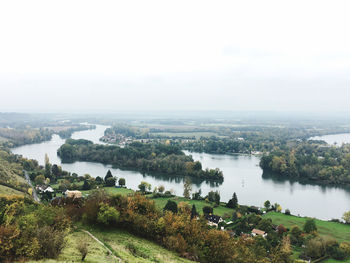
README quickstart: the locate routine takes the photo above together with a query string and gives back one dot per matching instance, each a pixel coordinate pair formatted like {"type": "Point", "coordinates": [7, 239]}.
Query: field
{"type": "Point", "coordinates": [113, 190]}
{"type": "Point", "coordinates": [340, 232]}
{"type": "Point", "coordinates": [125, 246]}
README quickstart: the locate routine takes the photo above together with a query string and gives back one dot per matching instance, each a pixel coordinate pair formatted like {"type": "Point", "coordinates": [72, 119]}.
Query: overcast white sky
{"type": "Point", "coordinates": [174, 55]}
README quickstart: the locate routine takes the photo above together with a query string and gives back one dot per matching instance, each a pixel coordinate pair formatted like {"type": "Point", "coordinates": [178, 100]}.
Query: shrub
{"type": "Point", "coordinates": [110, 181]}
{"type": "Point", "coordinates": [51, 242]}
{"type": "Point", "coordinates": [171, 206]}
{"type": "Point", "coordinates": [83, 249]}
{"type": "Point", "coordinates": [310, 225]}
{"type": "Point", "coordinates": [207, 210]}
{"type": "Point", "coordinates": [107, 215]}
{"type": "Point", "coordinates": [121, 181]}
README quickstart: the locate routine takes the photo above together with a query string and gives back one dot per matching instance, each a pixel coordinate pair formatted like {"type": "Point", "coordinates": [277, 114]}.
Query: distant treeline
{"type": "Point", "coordinates": [310, 160]}
{"type": "Point", "coordinates": [149, 158]}
{"type": "Point", "coordinates": [16, 137]}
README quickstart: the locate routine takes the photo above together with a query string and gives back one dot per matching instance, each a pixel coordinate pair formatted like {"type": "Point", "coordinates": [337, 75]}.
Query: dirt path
{"type": "Point", "coordinates": [100, 242]}
{"type": "Point", "coordinates": [35, 195]}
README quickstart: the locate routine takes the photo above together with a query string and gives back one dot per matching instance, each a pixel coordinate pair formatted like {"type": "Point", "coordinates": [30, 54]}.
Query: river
{"type": "Point", "coordinates": [334, 139]}
{"type": "Point", "coordinates": [242, 175]}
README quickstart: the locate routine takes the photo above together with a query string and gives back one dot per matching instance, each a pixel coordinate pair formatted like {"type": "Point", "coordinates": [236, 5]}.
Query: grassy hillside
{"type": "Point", "coordinates": [134, 249]}
{"type": "Point", "coordinates": [10, 173]}
{"type": "Point", "coordinates": [126, 246]}
{"type": "Point", "coordinates": [4, 190]}
{"type": "Point", "coordinates": [340, 232]}
{"type": "Point", "coordinates": [336, 261]}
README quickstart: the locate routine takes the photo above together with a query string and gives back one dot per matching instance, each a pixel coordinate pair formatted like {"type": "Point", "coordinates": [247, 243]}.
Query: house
{"type": "Point", "coordinates": [257, 232]}
{"type": "Point", "coordinates": [73, 194]}
{"type": "Point", "coordinates": [213, 220]}
{"type": "Point", "coordinates": [44, 189]}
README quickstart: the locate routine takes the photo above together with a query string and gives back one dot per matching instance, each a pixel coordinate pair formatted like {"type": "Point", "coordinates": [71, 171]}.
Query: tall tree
{"type": "Point", "coordinates": [187, 188]}
{"type": "Point", "coordinates": [193, 212]}
{"type": "Point", "coordinates": [108, 175]}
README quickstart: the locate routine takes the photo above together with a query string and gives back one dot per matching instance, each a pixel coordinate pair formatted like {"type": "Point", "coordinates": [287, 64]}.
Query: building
{"type": "Point", "coordinates": [213, 220]}
{"type": "Point", "coordinates": [257, 232]}
{"type": "Point", "coordinates": [73, 194]}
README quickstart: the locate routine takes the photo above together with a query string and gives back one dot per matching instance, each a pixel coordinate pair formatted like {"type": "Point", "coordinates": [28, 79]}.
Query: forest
{"type": "Point", "coordinates": [310, 161]}
{"type": "Point", "coordinates": [145, 157]}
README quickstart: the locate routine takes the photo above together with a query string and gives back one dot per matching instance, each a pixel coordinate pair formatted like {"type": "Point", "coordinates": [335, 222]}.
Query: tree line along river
{"type": "Point", "coordinates": [242, 175]}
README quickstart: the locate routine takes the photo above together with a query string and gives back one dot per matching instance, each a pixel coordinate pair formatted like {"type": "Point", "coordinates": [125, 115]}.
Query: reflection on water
{"type": "Point", "coordinates": [242, 175]}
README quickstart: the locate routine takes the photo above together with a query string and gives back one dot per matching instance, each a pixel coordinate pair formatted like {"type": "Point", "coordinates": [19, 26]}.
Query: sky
{"type": "Point", "coordinates": [105, 56]}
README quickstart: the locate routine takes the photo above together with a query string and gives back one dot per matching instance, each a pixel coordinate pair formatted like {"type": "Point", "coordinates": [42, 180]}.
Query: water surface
{"type": "Point", "coordinates": [242, 175]}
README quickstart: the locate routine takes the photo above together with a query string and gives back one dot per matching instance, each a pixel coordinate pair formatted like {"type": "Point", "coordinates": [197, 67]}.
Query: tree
{"type": "Point", "coordinates": [233, 202]}
{"type": "Point", "coordinates": [161, 189]}
{"type": "Point", "coordinates": [207, 210]}
{"type": "Point", "coordinates": [346, 217]}
{"type": "Point", "coordinates": [82, 247]}
{"type": "Point", "coordinates": [295, 236]}
{"type": "Point", "coordinates": [98, 180]}
{"type": "Point", "coordinates": [111, 181]}
{"type": "Point", "coordinates": [107, 215]}
{"type": "Point", "coordinates": [187, 188]}
{"type": "Point", "coordinates": [55, 170]}
{"type": "Point", "coordinates": [108, 175]}
{"type": "Point", "coordinates": [214, 197]}
{"type": "Point", "coordinates": [47, 166]}
{"type": "Point", "coordinates": [267, 204]}
{"type": "Point", "coordinates": [193, 212]}
{"type": "Point", "coordinates": [315, 248]}
{"type": "Point", "coordinates": [86, 185]}
{"type": "Point", "coordinates": [121, 182]}
{"type": "Point", "coordinates": [40, 179]}
{"type": "Point", "coordinates": [143, 186]}
{"type": "Point", "coordinates": [171, 206]}
{"type": "Point", "coordinates": [310, 225]}
{"type": "Point", "coordinates": [197, 195]}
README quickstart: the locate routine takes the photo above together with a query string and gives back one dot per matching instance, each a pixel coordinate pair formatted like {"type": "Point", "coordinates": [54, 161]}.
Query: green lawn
{"type": "Point", "coordinates": [340, 232]}
{"type": "Point", "coordinates": [220, 210]}
{"type": "Point", "coordinates": [113, 190]}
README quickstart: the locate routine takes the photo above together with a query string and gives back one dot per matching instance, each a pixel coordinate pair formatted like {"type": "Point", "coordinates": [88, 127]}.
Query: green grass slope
{"type": "Point", "coordinates": [340, 232]}
{"type": "Point", "coordinates": [4, 190]}
{"type": "Point", "coordinates": [127, 247]}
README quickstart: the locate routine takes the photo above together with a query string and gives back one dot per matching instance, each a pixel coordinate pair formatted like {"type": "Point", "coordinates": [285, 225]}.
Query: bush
{"type": "Point", "coordinates": [107, 215]}
{"type": "Point", "coordinates": [121, 181]}
{"type": "Point", "coordinates": [310, 225]}
{"type": "Point", "coordinates": [171, 206]}
{"type": "Point", "coordinates": [83, 249]}
{"type": "Point", "coordinates": [110, 181]}
{"type": "Point", "coordinates": [287, 212]}
{"type": "Point", "coordinates": [207, 210]}
{"type": "Point", "coordinates": [51, 242]}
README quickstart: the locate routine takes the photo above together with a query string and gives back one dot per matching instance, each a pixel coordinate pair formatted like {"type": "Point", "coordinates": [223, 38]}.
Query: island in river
{"type": "Point", "coordinates": [161, 158]}
{"type": "Point", "coordinates": [242, 175]}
